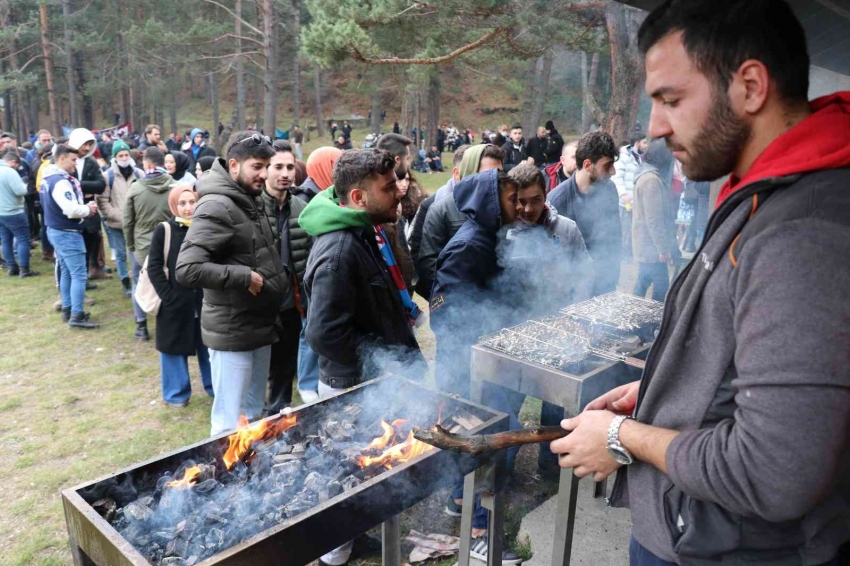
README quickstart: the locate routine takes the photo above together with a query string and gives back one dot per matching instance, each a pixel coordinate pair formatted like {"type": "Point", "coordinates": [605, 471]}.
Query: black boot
{"type": "Point", "coordinates": [66, 314]}
{"type": "Point", "coordinates": [81, 320]}
{"type": "Point", "coordinates": [127, 285]}
{"type": "Point", "coordinates": [14, 271]}
{"type": "Point", "coordinates": [142, 331]}
{"type": "Point", "coordinates": [26, 272]}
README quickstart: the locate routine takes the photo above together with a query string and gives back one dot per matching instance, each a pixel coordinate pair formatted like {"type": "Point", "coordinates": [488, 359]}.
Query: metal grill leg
{"type": "Point", "coordinates": [466, 519]}
{"type": "Point", "coordinates": [79, 557]}
{"type": "Point", "coordinates": [600, 488]}
{"type": "Point", "coordinates": [496, 512]}
{"type": "Point", "coordinates": [565, 518]}
{"type": "Point", "coordinates": [391, 542]}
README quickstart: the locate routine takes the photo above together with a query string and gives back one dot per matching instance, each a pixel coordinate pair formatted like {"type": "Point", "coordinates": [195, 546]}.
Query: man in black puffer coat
{"type": "Point", "coordinates": [230, 252]}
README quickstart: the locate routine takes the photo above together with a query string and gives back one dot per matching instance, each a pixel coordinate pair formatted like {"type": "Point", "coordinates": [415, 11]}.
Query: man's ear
{"type": "Point", "coordinates": [233, 165]}
{"type": "Point", "coordinates": [456, 173]}
{"type": "Point", "coordinates": [357, 197]}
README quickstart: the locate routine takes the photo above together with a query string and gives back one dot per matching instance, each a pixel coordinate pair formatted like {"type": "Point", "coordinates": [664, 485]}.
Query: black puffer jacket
{"type": "Point", "coordinates": [292, 242]}
{"type": "Point", "coordinates": [229, 238]}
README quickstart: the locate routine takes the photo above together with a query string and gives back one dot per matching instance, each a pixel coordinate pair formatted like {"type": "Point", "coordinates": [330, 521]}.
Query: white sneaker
{"type": "Point", "coordinates": [308, 395]}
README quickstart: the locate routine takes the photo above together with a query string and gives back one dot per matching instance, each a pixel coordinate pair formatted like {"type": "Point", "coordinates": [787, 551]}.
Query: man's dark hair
{"type": "Point", "coordinates": [356, 165]}
{"type": "Point", "coordinates": [241, 150]}
{"type": "Point", "coordinates": [45, 150]}
{"type": "Point", "coordinates": [506, 181]}
{"type": "Point", "coordinates": [282, 146]}
{"type": "Point", "coordinates": [719, 35]}
{"type": "Point", "coordinates": [151, 127]}
{"type": "Point", "coordinates": [459, 154]}
{"type": "Point", "coordinates": [494, 152]}
{"type": "Point", "coordinates": [394, 143]}
{"type": "Point", "coordinates": [516, 126]}
{"type": "Point", "coordinates": [12, 157]}
{"type": "Point", "coordinates": [527, 175]}
{"type": "Point", "coordinates": [64, 149]}
{"type": "Point", "coordinates": [6, 135]}
{"type": "Point", "coordinates": [154, 156]}
{"type": "Point", "coordinates": [595, 146]}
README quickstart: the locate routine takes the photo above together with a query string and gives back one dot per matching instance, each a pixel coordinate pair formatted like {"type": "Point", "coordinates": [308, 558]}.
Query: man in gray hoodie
{"type": "Point", "coordinates": [736, 439]}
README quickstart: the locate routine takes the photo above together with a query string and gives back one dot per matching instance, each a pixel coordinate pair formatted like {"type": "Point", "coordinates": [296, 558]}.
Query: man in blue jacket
{"type": "Point", "coordinates": [466, 302]}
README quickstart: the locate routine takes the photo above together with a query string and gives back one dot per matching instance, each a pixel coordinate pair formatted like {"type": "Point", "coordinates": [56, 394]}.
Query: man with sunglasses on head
{"type": "Point", "coordinates": [230, 252]}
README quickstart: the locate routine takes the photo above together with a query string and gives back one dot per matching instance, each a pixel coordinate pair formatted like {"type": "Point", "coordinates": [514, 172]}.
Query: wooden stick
{"type": "Point", "coordinates": [475, 445]}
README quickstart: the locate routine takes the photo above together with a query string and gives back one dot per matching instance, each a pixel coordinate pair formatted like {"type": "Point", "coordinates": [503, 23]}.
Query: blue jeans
{"type": "Point", "coordinates": [639, 556]}
{"type": "Point", "coordinates": [71, 259]}
{"type": "Point", "coordinates": [239, 383]}
{"type": "Point", "coordinates": [15, 228]}
{"type": "Point", "coordinates": [141, 316]}
{"type": "Point", "coordinates": [654, 274]}
{"type": "Point", "coordinates": [115, 236]}
{"type": "Point", "coordinates": [176, 387]}
{"type": "Point", "coordinates": [308, 363]}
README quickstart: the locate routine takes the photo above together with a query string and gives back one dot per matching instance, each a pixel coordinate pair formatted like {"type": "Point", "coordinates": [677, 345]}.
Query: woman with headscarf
{"type": "Point", "coordinates": [203, 164]}
{"type": "Point", "coordinates": [653, 223]}
{"type": "Point", "coordinates": [198, 148]}
{"type": "Point", "coordinates": [177, 164]}
{"type": "Point", "coordinates": [320, 166]}
{"type": "Point", "coordinates": [178, 322]}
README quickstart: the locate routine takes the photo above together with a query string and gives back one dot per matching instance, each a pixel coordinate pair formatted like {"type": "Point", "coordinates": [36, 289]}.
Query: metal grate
{"type": "Point", "coordinates": [539, 344]}
{"type": "Point", "coordinates": [619, 311]}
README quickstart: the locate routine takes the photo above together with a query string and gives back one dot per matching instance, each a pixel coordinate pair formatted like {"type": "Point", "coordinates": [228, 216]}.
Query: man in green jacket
{"type": "Point", "coordinates": [230, 252]}
{"type": "Point", "coordinates": [293, 243]}
{"type": "Point", "coordinates": [146, 206]}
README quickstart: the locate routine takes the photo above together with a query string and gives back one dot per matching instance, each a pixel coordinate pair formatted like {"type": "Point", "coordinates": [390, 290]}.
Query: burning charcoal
{"type": "Point", "coordinates": [261, 463]}
{"type": "Point", "coordinates": [315, 482]}
{"type": "Point", "coordinates": [138, 511]}
{"type": "Point", "coordinates": [186, 529]}
{"type": "Point", "coordinates": [165, 536]}
{"type": "Point", "coordinates": [160, 483]}
{"type": "Point", "coordinates": [328, 445]}
{"type": "Point", "coordinates": [106, 508]}
{"type": "Point", "coordinates": [214, 539]}
{"type": "Point", "coordinates": [173, 561]}
{"type": "Point", "coordinates": [192, 560]}
{"type": "Point", "coordinates": [289, 467]}
{"type": "Point", "coordinates": [136, 535]}
{"type": "Point", "coordinates": [299, 448]}
{"type": "Point", "coordinates": [217, 518]}
{"type": "Point", "coordinates": [177, 547]}
{"type": "Point", "coordinates": [206, 486]}
{"type": "Point", "coordinates": [320, 462]}
{"type": "Point", "coordinates": [339, 430]}
{"type": "Point", "coordinates": [281, 447]}
{"type": "Point", "coordinates": [334, 488]}
{"type": "Point", "coordinates": [263, 446]}
{"type": "Point", "coordinates": [274, 499]}
{"type": "Point", "coordinates": [302, 502]}
{"type": "Point", "coordinates": [283, 458]}
{"type": "Point", "coordinates": [352, 411]}
{"type": "Point", "coordinates": [350, 483]}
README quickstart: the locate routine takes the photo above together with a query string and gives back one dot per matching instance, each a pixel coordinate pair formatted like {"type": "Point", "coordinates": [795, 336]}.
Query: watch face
{"type": "Point", "coordinates": [620, 455]}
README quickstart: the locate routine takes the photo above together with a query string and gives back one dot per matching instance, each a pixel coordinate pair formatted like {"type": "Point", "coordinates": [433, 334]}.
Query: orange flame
{"type": "Point", "coordinates": [241, 440]}
{"type": "Point", "coordinates": [189, 478]}
{"type": "Point", "coordinates": [398, 452]}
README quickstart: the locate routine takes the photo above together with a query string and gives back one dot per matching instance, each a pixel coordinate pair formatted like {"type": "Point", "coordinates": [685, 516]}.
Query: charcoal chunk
{"type": "Point", "coordinates": [106, 508]}
{"type": "Point", "coordinates": [177, 547]}
{"type": "Point", "coordinates": [214, 539]}
{"type": "Point", "coordinates": [206, 486]}
{"type": "Point", "coordinates": [138, 511]}
{"type": "Point", "coordinates": [350, 483]}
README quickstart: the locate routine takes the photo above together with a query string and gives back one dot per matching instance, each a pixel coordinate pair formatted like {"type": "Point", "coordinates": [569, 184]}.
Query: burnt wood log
{"type": "Point", "coordinates": [475, 445]}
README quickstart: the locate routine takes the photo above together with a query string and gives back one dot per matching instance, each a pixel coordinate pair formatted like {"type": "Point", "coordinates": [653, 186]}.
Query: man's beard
{"type": "Point", "coordinates": [715, 151]}
{"type": "Point", "coordinates": [400, 170]}
{"type": "Point", "coordinates": [247, 186]}
{"type": "Point", "coordinates": [381, 216]}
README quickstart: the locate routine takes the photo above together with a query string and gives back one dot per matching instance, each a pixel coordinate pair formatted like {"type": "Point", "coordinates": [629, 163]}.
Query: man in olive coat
{"type": "Point", "coordinates": [230, 252]}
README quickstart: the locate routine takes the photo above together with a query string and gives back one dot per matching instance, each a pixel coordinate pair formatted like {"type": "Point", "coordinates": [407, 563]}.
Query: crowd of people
{"type": "Point", "coordinates": [277, 273]}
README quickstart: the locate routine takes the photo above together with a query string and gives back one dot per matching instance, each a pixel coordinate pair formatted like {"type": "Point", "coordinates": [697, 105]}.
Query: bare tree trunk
{"type": "Point", "coordinates": [32, 107]}
{"type": "Point", "coordinates": [269, 83]}
{"type": "Point", "coordinates": [258, 103]}
{"type": "Point", "coordinates": [542, 88]}
{"type": "Point", "coordinates": [173, 104]}
{"type": "Point", "coordinates": [21, 97]}
{"type": "Point", "coordinates": [69, 57]}
{"type": "Point", "coordinates": [296, 66]}
{"type": "Point", "coordinates": [320, 119]}
{"type": "Point", "coordinates": [87, 114]}
{"type": "Point", "coordinates": [132, 108]}
{"type": "Point", "coordinates": [49, 74]}
{"type": "Point", "coordinates": [216, 138]}
{"type": "Point", "coordinates": [433, 99]}
{"type": "Point", "coordinates": [624, 75]}
{"type": "Point", "coordinates": [241, 89]}
{"type": "Point", "coordinates": [585, 111]}
{"type": "Point", "coordinates": [410, 97]}
{"type": "Point", "coordinates": [377, 102]}
{"type": "Point", "coordinates": [418, 139]}
{"type": "Point", "coordinates": [529, 122]}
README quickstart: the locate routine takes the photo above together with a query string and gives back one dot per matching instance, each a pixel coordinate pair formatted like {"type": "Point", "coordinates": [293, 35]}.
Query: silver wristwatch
{"type": "Point", "coordinates": [615, 449]}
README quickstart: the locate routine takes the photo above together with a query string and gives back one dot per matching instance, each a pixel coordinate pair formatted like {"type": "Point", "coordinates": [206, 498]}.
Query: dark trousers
{"type": "Point", "coordinates": [92, 238]}
{"type": "Point", "coordinates": [31, 201]}
{"type": "Point", "coordinates": [284, 362]}
{"type": "Point", "coordinates": [639, 556]}
{"type": "Point", "coordinates": [654, 274]}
